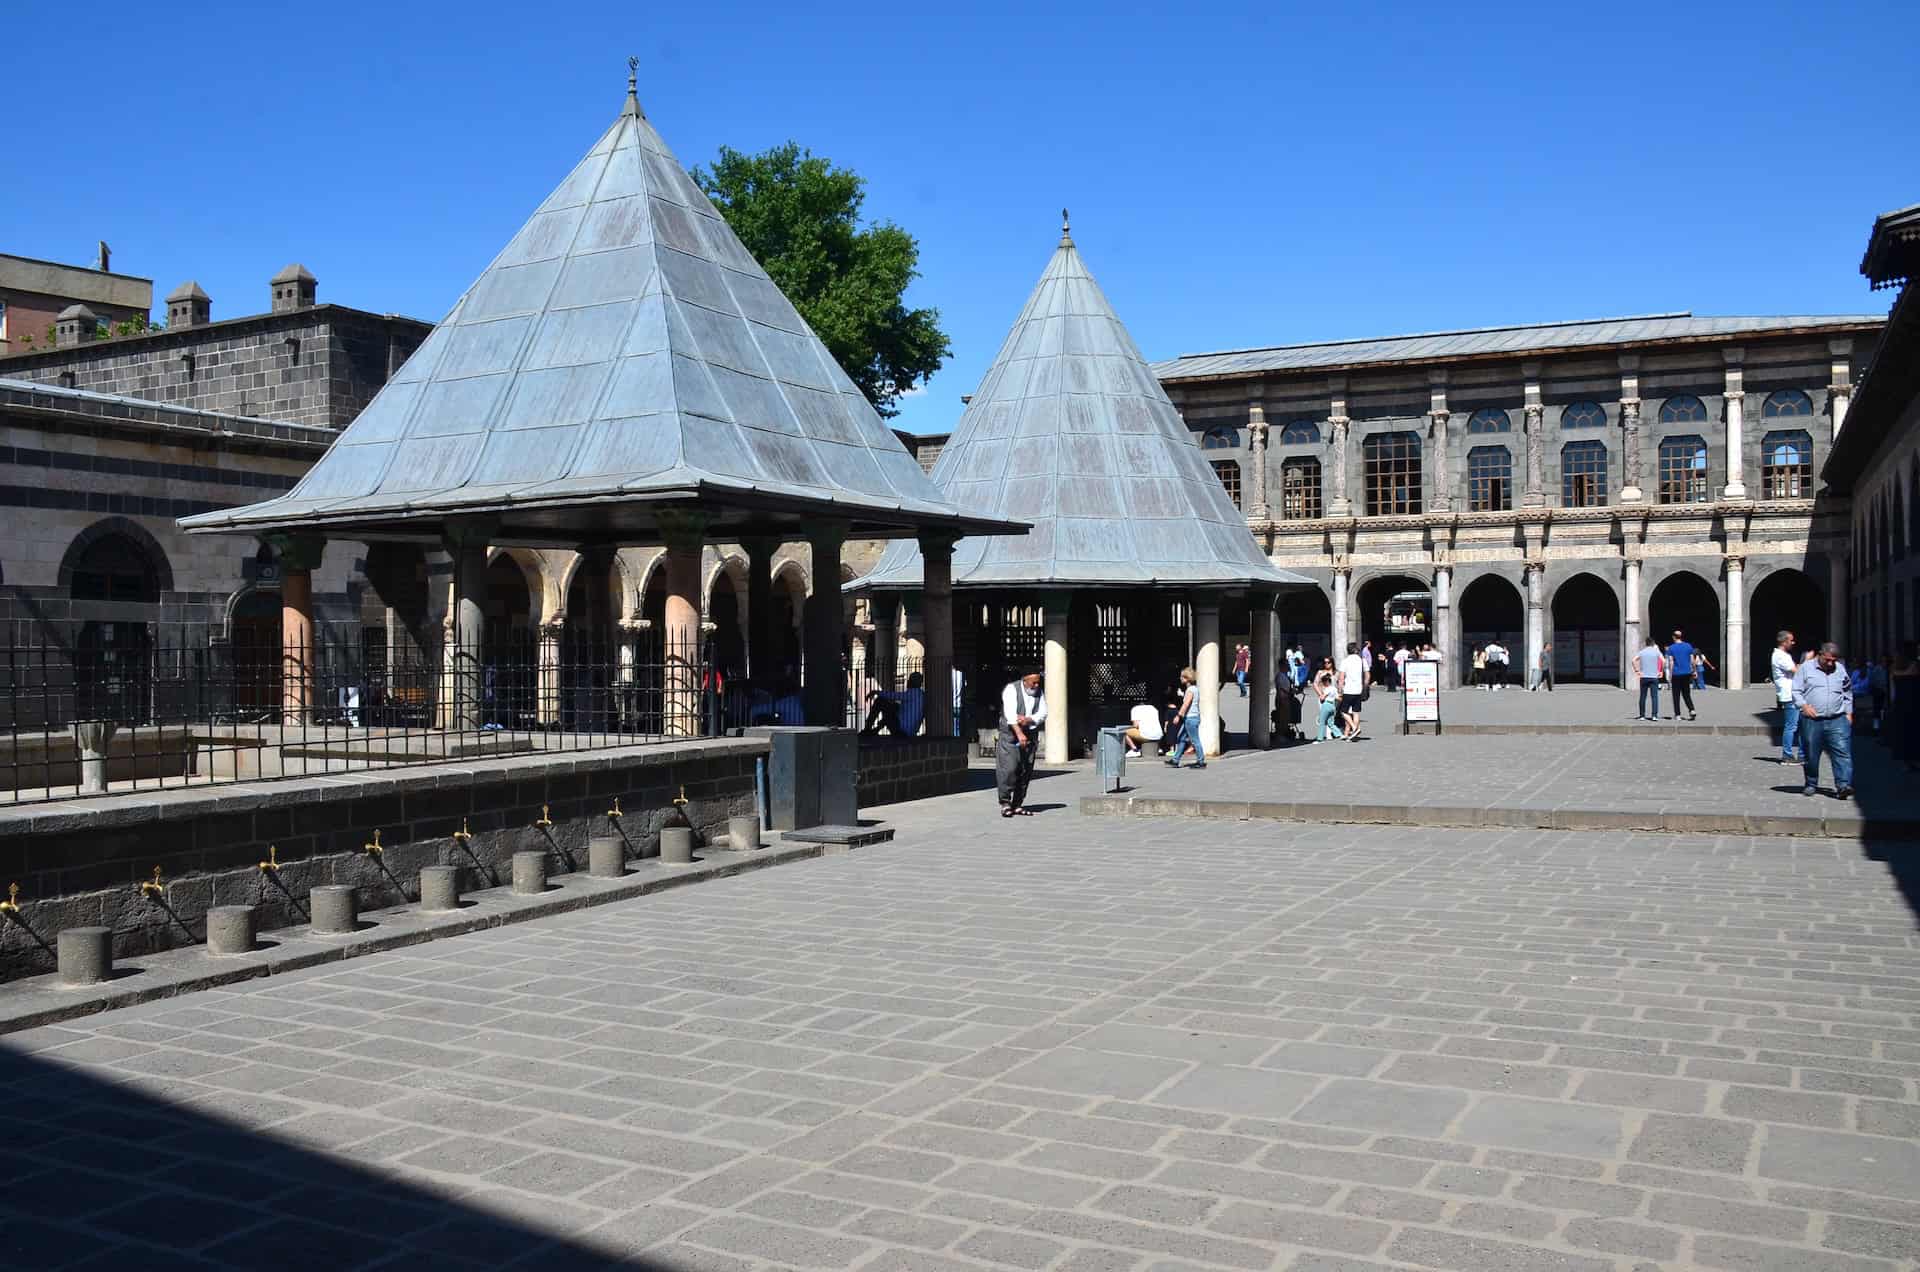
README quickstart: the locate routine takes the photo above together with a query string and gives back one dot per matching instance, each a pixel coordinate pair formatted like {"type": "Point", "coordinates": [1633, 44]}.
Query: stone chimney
{"type": "Point", "coordinates": [76, 324]}
{"type": "Point", "coordinates": [188, 306]}
{"type": "Point", "coordinates": [293, 288]}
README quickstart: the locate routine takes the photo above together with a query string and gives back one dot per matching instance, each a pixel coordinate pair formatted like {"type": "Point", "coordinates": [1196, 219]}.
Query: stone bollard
{"type": "Point", "coordinates": [230, 929]}
{"type": "Point", "coordinates": [86, 955]}
{"type": "Point", "coordinates": [529, 873]}
{"type": "Point", "coordinates": [336, 910]}
{"type": "Point", "coordinates": [607, 857]}
{"type": "Point", "coordinates": [676, 846]}
{"type": "Point", "coordinates": [743, 833]}
{"type": "Point", "coordinates": [439, 887]}
{"type": "Point", "coordinates": [92, 738]}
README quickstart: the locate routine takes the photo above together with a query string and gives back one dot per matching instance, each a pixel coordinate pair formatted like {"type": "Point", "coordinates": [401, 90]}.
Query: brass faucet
{"type": "Point", "coordinates": [272, 864]}
{"type": "Point", "coordinates": [153, 887]}
{"type": "Point", "coordinates": [614, 813]}
{"type": "Point", "coordinates": [12, 904]}
{"type": "Point", "coordinates": [374, 849]}
{"type": "Point", "coordinates": [681, 802]}
{"type": "Point", "coordinates": [545, 822]}
{"type": "Point", "coordinates": [462, 835]}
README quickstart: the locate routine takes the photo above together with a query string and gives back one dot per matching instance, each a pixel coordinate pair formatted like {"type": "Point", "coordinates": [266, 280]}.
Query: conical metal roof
{"type": "Point", "coordinates": [622, 353]}
{"type": "Point", "coordinates": [1070, 430]}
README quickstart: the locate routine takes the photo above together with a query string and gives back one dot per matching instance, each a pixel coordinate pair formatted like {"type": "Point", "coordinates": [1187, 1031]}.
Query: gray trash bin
{"type": "Point", "coordinates": [1110, 757]}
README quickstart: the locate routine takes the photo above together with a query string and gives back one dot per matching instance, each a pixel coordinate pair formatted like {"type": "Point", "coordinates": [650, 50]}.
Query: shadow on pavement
{"type": "Point", "coordinates": [100, 1174]}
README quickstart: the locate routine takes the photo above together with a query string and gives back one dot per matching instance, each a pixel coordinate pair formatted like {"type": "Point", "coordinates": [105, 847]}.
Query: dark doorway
{"type": "Point", "coordinates": [1586, 632]}
{"type": "Point", "coordinates": [1784, 599]}
{"type": "Point", "coordinates": [586, 671]}
{"type": "Point", "coordinates": [255, 638]}
{"type": "Point", "coordinates": [1306, 620]}
{"type": "Point", "coordinates": [1686, 603]}
{"type": "Point", "coordinates": [509, 689]}
{"type": "Point", "coordinates": [1491, 610]}
{"type": "Point", "coordinates": [1414, 622]}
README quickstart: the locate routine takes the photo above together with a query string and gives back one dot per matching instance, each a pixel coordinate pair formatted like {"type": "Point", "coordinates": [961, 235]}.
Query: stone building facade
{"type": "Point", "coordinates": [1588, 484]}
{"type": "Point", "coordinates": [34, 293]}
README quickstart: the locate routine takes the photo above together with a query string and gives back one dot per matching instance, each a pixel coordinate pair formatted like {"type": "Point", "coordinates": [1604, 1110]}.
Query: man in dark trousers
{"type": "Point", "coordinates": [1680, 657]}
{"type": "Point", "coordinates": [1023, 712]}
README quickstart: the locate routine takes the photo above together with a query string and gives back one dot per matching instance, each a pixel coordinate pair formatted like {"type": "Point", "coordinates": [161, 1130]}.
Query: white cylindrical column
{"type": "Point", "coordinates": [1536, 618]}
{"type": "Point", "coordinates": [1340, 576]}
{"type": "Point", "coordinates": [1736, 418]}
{"type": "Point", "coordinates": [1054, 736]}
{"type": "Point", "coordinates": [1630, 627]}
{"type": "Point", "coordinates": [1443, 626]}
{"type": "Point", "coordinates": [1206, 667]}
{"type": "Point", "coordinates": [549, 671]}
{"type": "Point", "coordinates": [1733, 660]}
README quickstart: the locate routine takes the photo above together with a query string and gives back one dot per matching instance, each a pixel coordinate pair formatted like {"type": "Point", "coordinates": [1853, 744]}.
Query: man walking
{"type": "Point", "coordinates": [1242, 663]}
{"type": "Point", "coordinates": [1023, 712]}
{"type": "Point", "coordinates": [1354, 677]}
{"type": "Point", "coordinates": [1823, 695]}
{"type": "Point", "coordinates": [1544, 673]}
{"type": "Point", "coordinates": [1680, 674]}
{"type": "Point", "coordinates": [1781, 668]}
{"type": "Point", "coordinates": [1496, 665]}
{"type": "Point", "coordinates": [1651, 665]}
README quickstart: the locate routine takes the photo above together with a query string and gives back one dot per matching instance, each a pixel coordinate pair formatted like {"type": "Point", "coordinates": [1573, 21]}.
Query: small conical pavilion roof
{"type": "Point", "coordinates": [1070, 430]}
{"type": "Point", "coordinates": [622, 356]}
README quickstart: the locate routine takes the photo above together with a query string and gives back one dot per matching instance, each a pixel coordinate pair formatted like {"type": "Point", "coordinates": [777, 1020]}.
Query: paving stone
{"type": "Point", "coordinates": [914, 1230]}
{"type": "Point", "coordinates": [1504, 1221]}
{"type": "Point", "coordinates": [1866, 1236]}
{"type": "Point", "coordinates": [1016, 1184]}
{"type": "Point", "coordinates": [1543, 1125]}
{"type": "Point", "coordinates": [1253, 1092]}
{"type": "Point", "coordinates": [1483, 1254]}
{"type": "Point", "coordinates": [1763, 1104]}
{"type": "Point", "coordinates": [1383, 1106]}
{"type": "Point", "coordinates": [1095, 1073]}
{"type": "Point", "coordinates": [1772, 1222]}
{"type": "Point", "coordinates": [1010, 1248]}
{"type": "Point", "coordinates": [1693, 1143]}
{"type": "Point", "coordinates": [1617, 1236]}
{"type": "Point", "coordinates": [1301, 1227]}
{"type": "Point", "coordinates": [1831, 1159]}
{"type": "Point", "coordinates": [801, 1209]}
{"type": "Point", "coordinates": [1669, 1094]}
{"type": "Point", "coordinates": [1554, 1193]}
{"type": "Point", "coordinates": [758, 1239]}
{"type": "Point", "coordinates": [1156, 1205]}
{"type": "Point", "coordinates": [1737, 1255]}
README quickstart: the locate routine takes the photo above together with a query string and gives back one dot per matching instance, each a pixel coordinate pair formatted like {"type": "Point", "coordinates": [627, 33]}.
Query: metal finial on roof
{"type": "Point", "coordinates": [1066, 229]}
{"type": "Point", "coordinates": [633, 86]}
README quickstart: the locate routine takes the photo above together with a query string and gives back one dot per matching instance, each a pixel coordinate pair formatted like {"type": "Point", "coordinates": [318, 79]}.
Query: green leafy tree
{"type": "Point", "coordinates": [800, 217]}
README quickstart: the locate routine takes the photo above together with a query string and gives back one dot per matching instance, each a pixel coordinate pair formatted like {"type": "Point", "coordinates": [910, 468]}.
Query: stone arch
{"type": "Point", "coordinates": [543, 605]}
{"type": "Point", "coordinates": [1684, 600]}
{"type": "Point", "coordinates": [1490, 606]}
{"type": "Point", "coordinates": [723, 604]}
{"type": "Point", "coordinates": [1584, 626]}
{"type": "Point", "coordinates": [731, 564]}
{"type": "Point", "coordinates": [107, 527]}
{"type": "Point", "coordinates": [1369, 591]}
{"type": "Point", "coordinates": [1781, 595]}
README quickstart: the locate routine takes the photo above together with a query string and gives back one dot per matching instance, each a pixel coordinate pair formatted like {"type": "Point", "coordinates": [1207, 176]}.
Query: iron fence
{"type": "Point", "coordinates": [899, 698]}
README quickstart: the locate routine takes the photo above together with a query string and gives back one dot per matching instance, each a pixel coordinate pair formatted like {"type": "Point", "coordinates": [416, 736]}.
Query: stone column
{"type": "Point", "coordinates": [1206, 666]}
{"type": "Point", "coordinates": [1341, 574]}
{"type": "Point", "coordinates": [1536, 496]}
{"type": "Point", "coordinates": [936, 619]}
{"type": "Point", "coordinates": [1630, 626]}
{"type": "Point", "coordinates": [1337, 425]}
{"type": "Point", "coordinates": [1736, 439]}
{"type": "Point", "coordinates": [1630, 491]}
{"type": "Point", "coordinates": [763, 664]}
{"type": "Point", "coordinates": [1258, 509]}
{"type": "Point", "coordinates": [1260, 704]}
{"type": "Point", "coordinates": [1055, 679]}
{"type": "Point", "coordinates": [1536, 616]}
{"type": "Point", "coordinates": [1443, 626]}
{"type": "Point", "coordinates": [466, 542]}
{"type": "Point", "coordinates": [1840, 391]}
{"type": "Point", "coordinates": [632, 632]}
{"type": "Point", "coordinates": [1837, 597]}
{"type": "Point", "coordinates": [298, 557]}
{"type": "Point", "coordinates": [1733, 657]}
{"type": "Point", "coordinates": [548, 670]}
{"type": "Point", "coordinates": [1439, 446]}
{"type": "Point", "coordinates": [826, 627]}
{"type": "Point", "coordinates": [685, 535]}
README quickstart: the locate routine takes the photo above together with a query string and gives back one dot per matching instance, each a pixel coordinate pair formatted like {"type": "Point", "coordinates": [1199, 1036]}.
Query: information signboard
{"type": "Point", "coordinates": [1420, 695]}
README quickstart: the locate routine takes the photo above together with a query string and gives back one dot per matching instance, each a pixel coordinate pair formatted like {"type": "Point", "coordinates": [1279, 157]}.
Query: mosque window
{"type": "Point", "coordinates": [1583, 475]}
{"type": "Point", "coordinates": [1786, 464]}
{"type": "Point", "coordinates": [1489, 479]}
{"type": "Point", "coordinates": [1300, 489]}
{"type": "Point", "coordinates": [1229, 474]}
{"type": "Point", "coordinates": [1220, 439]}
{"type": "Point", "coordinates": [1489, 420]}
{"type": "Point", "coordinates": [1300, 433]}
{"type": "Point", "coordinates": [1685, 409]}
{"type": "Point", "coordinates": [1583, 415]}
{"type": "Point", "coordinates": [1391, 466]}
{"type": "Point", "coordinates": [1787, 404]}
{"type": "Point", "coordinates": [1683, 469]}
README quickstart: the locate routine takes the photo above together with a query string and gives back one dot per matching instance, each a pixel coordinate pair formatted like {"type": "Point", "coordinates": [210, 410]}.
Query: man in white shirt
{"type": "Point", "coordinates": [1023, 711]}
{"type": "Point", "coordinates": [1497, 665]}
{"type": "Point", "coordinates": [1400, 656]}
{"type": "Point", "coordinates": [1145, 728]}
{"type": "Point", "coordinates": [1353, 690]}
{"type": "Point", "coordinates": [1781, 667]}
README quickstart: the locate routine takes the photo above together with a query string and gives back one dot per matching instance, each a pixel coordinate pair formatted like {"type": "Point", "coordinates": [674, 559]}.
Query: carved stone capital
{"type": "Point", "coordinates": [1735, 395]}
{"type": "Point", "coordinates": [1630, 410]}
{"type": "Point", "coordinates": [1840, 390]}
{"type": "Point", "coordinates": [1338, 423]}
{"type": "Point", "coordinates": [551, 628]}
{"type": "Point", "coordinates": [1535, 413]}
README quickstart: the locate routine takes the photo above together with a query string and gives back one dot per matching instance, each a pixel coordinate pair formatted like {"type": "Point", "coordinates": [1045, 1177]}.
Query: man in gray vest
{"type": "Point", "coordinates": [1023, 712]}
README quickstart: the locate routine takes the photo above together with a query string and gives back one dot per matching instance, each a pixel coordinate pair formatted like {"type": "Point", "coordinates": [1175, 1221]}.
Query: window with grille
{"type": "Point", "coordinates": [1300, 489]}
{"type": "Point", "coordinates": [1787, 404]}
{"type": "Point", "coordinates": [1229, 474]}
{"type": "Point", "coordinates": [1300, 433]}
{"type": "Point", "coordinates": [1220, 439]}
{"type": "Point", "coordinates": [1583, 415]}
{"type": "Point", "coordinates": [1683, 470]}
{"type": "Point", "coordinates": [1489, 479]}
{"type": "Point", "coordinates": [1786, 464]}
{"type": "Point", "coordinates": [1583, 475]}
{"type": "Point", "coordinates": [1391, 465]}
{"type": "Point", "coordinates": [1489, 420]}
{"type": "Point", "coordinates": [1685, 409]}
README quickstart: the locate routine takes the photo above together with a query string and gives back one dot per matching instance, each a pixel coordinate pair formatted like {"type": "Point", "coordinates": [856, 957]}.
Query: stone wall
{"type": "Point", "coordinates": [895, 769]}
{"type": "Point", "coordinates": [81, 863]}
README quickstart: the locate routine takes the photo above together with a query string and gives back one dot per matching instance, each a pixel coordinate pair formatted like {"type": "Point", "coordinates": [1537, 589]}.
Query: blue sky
{"type": "Point", "coordinates": [1239, 175]}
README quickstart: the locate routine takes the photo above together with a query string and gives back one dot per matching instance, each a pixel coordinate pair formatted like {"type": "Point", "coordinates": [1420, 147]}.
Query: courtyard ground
{"type": "Point", "coordinates": [1062, 1042]}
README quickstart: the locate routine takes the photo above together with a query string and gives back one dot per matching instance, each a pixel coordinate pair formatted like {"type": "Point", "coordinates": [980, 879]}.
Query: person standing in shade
{"type": "Point", "coordinates": [1023, 713]}
{"type": "Point", "coordinates": [1680, 657]}
{"type": "Point", "coordinates": [1651, 665]}
{"type": "Point", "coordinates": [1353, 690]}
{"type": "Point", "coordinates": [1780, 667]}
{"type": "Point", "coordinates": [1400, 656]}
{"type": "Point", "coordinates": [1497, 665]}
{"type": "Point", "coordinates": [1823, 695]}
{"type": "Point", "coordinates": [1242, 664]}
{"type": "Point", "coordinates": [1326, 692]}
{"type": "Point", "coordinates": [1543, 674]}
{"type": "Point", "coordinates": [1186, 722]}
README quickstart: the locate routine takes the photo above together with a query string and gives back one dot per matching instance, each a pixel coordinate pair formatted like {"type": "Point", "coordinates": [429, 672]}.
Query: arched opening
{"type": "Point", "coordinates": [509, 686]}
{"type": "Point", "coordinates": [253, 634]}
{"type": "Point", "coordinates": [789, 607]}
{"type": "Point", "coordinates": [1586, 632]}
{"type": "Point", "coordinates": [112, 582]}
{"type": "Point", "coordinates": [586, 671]}
{"type": "Point", "coordinates": [1785, 600]}
{"type": "Point", "coordinates": [1686, 603]}
{"type": "Point", "coordinates": [1491, 610]}
{"type": "Point", "coordinates": [727, 611]}
{"type": "Point", "coordinates": [1395, 609]}
{"type": "Point", "coordinates": [1306, 620]}
{"type": "Point", "coordinates": [396, 633]}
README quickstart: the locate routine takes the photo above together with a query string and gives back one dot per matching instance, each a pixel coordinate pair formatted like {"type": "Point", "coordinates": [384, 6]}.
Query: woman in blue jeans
{"type": "Point", "coordinates": [1328, 691]}
{"type": "Point", "coordinates": [1186, 723]}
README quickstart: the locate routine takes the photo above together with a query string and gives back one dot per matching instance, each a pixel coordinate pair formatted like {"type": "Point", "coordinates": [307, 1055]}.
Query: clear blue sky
{"type": "Point", "coordinates": [1239, 175]}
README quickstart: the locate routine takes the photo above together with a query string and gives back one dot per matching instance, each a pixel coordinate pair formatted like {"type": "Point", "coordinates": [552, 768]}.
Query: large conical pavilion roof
{"type": "Point", "coordinates": [622, 355]}
{"type": "Point", "coordinates": [1070, 430]}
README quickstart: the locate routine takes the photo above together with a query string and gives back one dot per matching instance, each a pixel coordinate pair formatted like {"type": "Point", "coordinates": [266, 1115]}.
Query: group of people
{"type": "Point", "coordinates": [1679, 665]}
{"type": "Point", "coordinates": [1821, 700]}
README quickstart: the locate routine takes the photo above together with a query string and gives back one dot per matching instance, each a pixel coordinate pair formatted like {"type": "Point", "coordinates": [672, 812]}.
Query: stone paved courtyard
{"type": "Point", "coordinates": [1064, 1043]}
